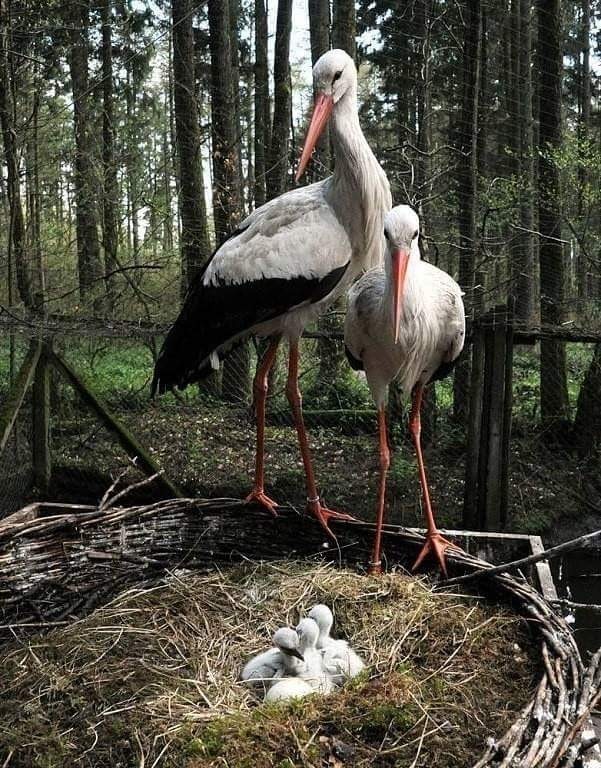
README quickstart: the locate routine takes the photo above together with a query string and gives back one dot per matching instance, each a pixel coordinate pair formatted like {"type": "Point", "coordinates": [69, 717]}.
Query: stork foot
{"type": "Point", "coordinates": [324, 515]}
{"type": "Point", "coordinates": [258, 496]}
{"type": "Point", "coordinates": [435, 545]}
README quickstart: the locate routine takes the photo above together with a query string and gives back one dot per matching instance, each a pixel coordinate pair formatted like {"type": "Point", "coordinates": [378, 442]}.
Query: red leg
{"type": "Point", "coordinates": [375, 565]}
{"type": "Point", "coordinates": [435, 544]}
{"type": "Point", "coordinates": [261, 386]}
{"type": "Point", "coordinates": [314, 505]}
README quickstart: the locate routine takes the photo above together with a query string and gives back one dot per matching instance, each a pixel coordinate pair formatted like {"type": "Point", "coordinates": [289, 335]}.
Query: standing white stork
{"type": "Point", "coordinates": [405, 321]}
{"type": "Point", "coordinates": [285, 264]}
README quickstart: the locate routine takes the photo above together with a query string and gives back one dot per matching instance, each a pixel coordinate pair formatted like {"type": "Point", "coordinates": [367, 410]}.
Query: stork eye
{"type": "Point", "coordinates": [386, 235]}
{"type": "Point", "coordinates": [337, 76]}
{"type": "Point", "coordinates": [415, 234]}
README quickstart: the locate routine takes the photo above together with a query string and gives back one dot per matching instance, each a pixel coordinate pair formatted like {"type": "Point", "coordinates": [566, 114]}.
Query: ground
{"type": "Point", "coordinates": [153, 676]}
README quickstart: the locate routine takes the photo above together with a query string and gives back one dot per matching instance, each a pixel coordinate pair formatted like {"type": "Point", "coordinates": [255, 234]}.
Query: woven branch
{"type": "Point", "coordinates": [58, 562]}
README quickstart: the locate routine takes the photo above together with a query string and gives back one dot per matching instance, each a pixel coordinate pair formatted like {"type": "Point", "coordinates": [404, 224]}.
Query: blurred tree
{"type": "Point", "coordinates": [16, 226]}
{"type": "Point", "coordinates": [277, 162]}
{"type": "Point", "coordinates": [225, 130]}
{"type": "Point", "coordinates": [467, 178]}
{"type": "Point", "coordinates": [553, 373]}
{"type": "Point", "coordinates": [262, 105]}
{"type": "Point", "coordinates": [344, 26]}
{"type": "Point", "coordinates": [89, 259]}
{"type": "Point", "coordinates": [110, 192]}
{"type": "Point", "coordinates": [194, 244]}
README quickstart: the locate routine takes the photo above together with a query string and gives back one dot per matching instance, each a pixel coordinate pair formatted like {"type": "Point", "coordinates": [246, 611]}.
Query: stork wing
{"type": "Point", "coordinates": [290, 252]}
{"type": "Point", "coordinates": [450, 313]}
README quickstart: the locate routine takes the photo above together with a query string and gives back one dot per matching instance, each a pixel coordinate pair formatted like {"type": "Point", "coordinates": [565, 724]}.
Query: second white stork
{"type": "Point", "coordinates": [285, 264]}
{"type": "Point", "coordinates": [405, 321]}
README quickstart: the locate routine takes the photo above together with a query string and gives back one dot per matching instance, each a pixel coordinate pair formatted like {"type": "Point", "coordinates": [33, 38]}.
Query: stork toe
{"type": "Point", "coordinates": [323, 515]}
{"type": "Point", "coordinates": [435, 545]}
{"type": "Point", "coordinates": [258, 496]}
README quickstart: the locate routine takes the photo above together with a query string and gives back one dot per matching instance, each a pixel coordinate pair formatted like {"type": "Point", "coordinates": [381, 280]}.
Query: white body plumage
{"type": "Point", "coordinates": [432, 320]}
{"type": "Point", "coordinates": [285, 658]}
{"type": "Point", "coordinates": [339, 659]}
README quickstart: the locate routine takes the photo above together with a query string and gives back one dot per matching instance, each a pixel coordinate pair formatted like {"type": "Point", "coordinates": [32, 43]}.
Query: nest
{"type": "Point", "coordinates": [53, 568]}
{"type": "Point", "coordinates": [156, 672]}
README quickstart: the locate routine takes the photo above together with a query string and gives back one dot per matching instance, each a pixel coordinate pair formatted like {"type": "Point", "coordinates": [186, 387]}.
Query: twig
{"type": "Point", "coordinates": [126, 491]}
{"type": "Point", "coordinates": [495, 570]}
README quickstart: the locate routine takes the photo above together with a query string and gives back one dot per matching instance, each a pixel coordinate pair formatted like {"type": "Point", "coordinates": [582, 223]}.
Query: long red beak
{"type": "Point", "coordinates": [321, 114]}
{"type": "Point", "coordinates": [400, 260]}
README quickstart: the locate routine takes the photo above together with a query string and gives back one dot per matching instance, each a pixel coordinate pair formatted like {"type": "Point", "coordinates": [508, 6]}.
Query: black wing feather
{"type": "Point", "coordinates": [214, 315]}
{"type": "Point", "coordinates": [355, 363]}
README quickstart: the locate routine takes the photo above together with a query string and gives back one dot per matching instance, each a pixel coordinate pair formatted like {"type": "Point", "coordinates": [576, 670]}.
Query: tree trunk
{"type": "Point", "coordinates": [85, 184]}
{"type": "Point", "coordinates": [524, 284]}
{"type": "Point", "coordinates": [277, 164]}
{"type": "Point", "coordinates": [226, 179]}
{"type": "Point", "coordinates": [110, 197]}
{"type": "Point", "coordinates": [234, 7]}
{"type": "Point", "coordinates": [584, 120]}
{"type": "Point", "coordinates": [226, 183]}
{"type": "Point", "coordinates": [553, 377]}
{"type": "Point", "coordinates": [319, 28]}
{"type": "Point", "coordinates": [262, 108]}
{"type": "Point", "coordinates": [194, 238]}
{"type": "Point", "coordinates": [344, 27]}
{"type": "Point", "coordinates": [467, 187]}
{"type": "Point", "coordinates": [18, 243]}
{"type": "Point", "coordinates": [587, 422]}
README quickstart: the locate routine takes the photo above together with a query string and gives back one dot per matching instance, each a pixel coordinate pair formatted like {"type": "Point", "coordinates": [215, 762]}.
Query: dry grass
{"type": "Point", "coordinates": [151, 679]}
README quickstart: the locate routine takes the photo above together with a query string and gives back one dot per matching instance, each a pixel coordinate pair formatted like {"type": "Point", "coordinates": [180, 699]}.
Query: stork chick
{"type": "Point", "coordinates": [405, 322]}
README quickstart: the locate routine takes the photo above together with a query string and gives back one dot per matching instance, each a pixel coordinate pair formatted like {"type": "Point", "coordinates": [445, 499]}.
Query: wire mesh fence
{"type": "Point", "coordinates": [204, 440]}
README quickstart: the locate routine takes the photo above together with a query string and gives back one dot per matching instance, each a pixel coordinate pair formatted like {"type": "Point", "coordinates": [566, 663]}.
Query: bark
{"type": "Point", "coordinates": [33, 194]}
{"type": "Point", "coordinates": [234, 7]}
{"type": "Point", "coordinates": [226, 182]}
{"type": "Point", "coordinates": [584, 121]}
{"type": "Point", "coordinates": [467, 186]}
{"type": "Point", "coordinates": [344, 26]}
{"type": "Point", "coordinates": [319, 28]}
{"type": "Point", "coordinates": [194, 238]}
{"type": "Point", "coordinates": [277, 164]}
{"type": "Point", "coordinates": [85, 183]}
{"type": "Point", "coordinates": [587, 422]}
{"type": "Point", "coordinates": [18, 243]}
{"type": "Point", "coordinates": [262, 106]}
{"type": "Point", "coordinates": [553, 378]}
{"type": "Point", "coordinates": [110, 197]}
{"type": "Point", "coordinates": [524, 284]}
{"type": "Point", "coordinates": [225, 106]}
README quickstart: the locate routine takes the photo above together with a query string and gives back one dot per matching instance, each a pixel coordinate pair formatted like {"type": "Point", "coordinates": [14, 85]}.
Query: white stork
{"type": "Point", "coordinates": [285, 264]}
{"type": "Point", "coordinates": [405, 321]}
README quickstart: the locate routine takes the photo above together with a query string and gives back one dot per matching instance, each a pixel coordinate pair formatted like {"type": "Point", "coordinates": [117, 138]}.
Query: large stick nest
{"type": "Point", "coordinates": [54, 567]}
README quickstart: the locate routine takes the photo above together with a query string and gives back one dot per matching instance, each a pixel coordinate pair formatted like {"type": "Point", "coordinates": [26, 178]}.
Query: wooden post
{"type": "Point", "coordinates": [470, 506]}
{"type": "Point", "coordinates": [42, 466]}
{"type": "Point", "coordinates": [130, 444]}
{"type": "Point", "coordinates": [489, 428]}
{"type": "Point", "coordinates": [10, 409]}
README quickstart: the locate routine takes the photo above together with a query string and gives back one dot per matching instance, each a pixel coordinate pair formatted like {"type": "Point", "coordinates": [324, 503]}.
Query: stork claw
{"type": "Point", "coordinates": [323, 515]}
{"type": "Point", "coordinates": [436, 545]}
{"type": "Point", "coordinates": [258, 496]}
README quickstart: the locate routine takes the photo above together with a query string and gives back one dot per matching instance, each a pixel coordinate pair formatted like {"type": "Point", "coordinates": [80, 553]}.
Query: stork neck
{"type": "Point", "coordinates": [358, 181]}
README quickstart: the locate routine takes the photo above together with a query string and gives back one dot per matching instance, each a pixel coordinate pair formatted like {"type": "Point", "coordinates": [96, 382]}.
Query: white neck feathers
{"type": "Point", "coordinates": [358, 182]}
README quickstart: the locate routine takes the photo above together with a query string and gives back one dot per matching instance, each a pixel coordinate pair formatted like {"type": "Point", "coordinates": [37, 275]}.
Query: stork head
{"type": "Point", "coordinates": [308, 633]}
{"type": "Point", "coordinates": [334, 74]}
{"type": "Point", "coordinates": [287, 640]}
{"type": "Point", "coordinates": [401, 230]}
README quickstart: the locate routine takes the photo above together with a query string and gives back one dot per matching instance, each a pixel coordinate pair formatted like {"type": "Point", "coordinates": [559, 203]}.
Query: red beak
{"type": "Point", "coordinates": [400, 261]}
{"type": "Point", "coordinates": [321, 114]}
